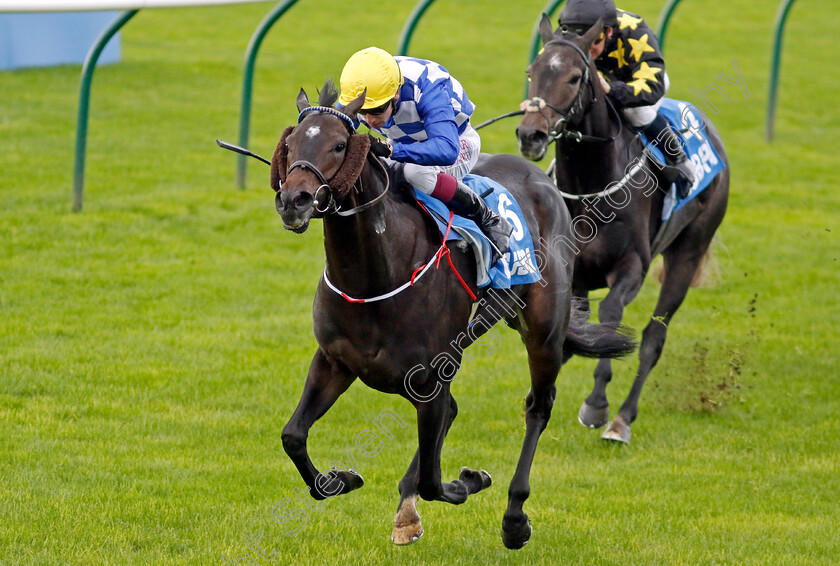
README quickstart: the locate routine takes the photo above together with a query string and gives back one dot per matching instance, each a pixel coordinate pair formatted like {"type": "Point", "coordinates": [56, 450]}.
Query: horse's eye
{"type": "Point", "coordinates": [339, 147]}
{"type": "Point", "coordinates": [575, 80]}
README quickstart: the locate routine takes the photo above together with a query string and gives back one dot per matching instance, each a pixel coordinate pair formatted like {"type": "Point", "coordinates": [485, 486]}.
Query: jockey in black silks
{"type": "Point", "coordinates": [632, 72]}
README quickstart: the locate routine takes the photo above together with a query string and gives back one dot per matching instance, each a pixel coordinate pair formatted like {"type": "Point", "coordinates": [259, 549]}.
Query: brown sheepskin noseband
{"type": "Point", "coordinates": [355, 156]}
{"type": "Point", "coordinates": [279, 161]}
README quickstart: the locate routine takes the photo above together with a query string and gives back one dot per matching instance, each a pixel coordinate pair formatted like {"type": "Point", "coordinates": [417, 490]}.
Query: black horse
{"type": "Point", "coordinates": [618, 239]}
{"type": "Point", "coordinates": [375, 237]}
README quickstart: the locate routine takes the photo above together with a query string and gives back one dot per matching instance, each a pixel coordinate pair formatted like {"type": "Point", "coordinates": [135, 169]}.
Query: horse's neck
{"type": "Point", "coordinates": [365, 252]}
{"type": "Point", "coordinates": [590, 166]}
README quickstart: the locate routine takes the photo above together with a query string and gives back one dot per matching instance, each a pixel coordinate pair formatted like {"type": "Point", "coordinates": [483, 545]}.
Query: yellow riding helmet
{"type": "Point", "coordinates": [374, 69]}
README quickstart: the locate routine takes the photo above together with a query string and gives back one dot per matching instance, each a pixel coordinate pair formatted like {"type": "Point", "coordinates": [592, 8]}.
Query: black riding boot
{"type": "Point", "coordinates": [660, 134]}
{"type": "Point", "coordinates": [470, 205]}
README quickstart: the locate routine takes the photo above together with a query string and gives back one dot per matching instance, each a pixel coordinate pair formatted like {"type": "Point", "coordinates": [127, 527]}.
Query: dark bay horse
{"type": "Point", "coordinates": [376, 237]}
{"type": "Point", "coordinates": [593, 151]}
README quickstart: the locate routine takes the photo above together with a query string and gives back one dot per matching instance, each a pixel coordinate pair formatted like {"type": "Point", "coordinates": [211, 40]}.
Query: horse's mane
{"type": "Point", "coordinates": [328, 95]}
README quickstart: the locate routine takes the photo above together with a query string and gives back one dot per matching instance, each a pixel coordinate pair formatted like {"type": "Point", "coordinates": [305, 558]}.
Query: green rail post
{"type": "Point", "coordinates": [781, 18]}
{"type": "Point", "coordinates": [84, 103]}
{"type": "Point", "coordinates": [248, 82]}
{"type": "Point", "coordinates": [535, 34]}
{"type": "Point", "coordinates": [411, 25]}
{"type": "Point", "coordinates": [664, 20]}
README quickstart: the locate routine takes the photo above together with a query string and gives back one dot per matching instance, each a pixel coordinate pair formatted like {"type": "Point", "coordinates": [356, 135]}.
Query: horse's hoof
{"type": "Point", "coordinates": [351, 480]}
{"type": "Point", "coordinates": [516, 539]}
{"type": "Point", "coordinates": [407, 527]}
{"type": "Point", "coordinates": [591, 417]}
{"type": "Point", "coordinates": [406, 534]}
{"type": "Point", "coordinates": [618, 431]}
{"type": "Point", "coordinates": [337, 482]}
{"type": "Point", "coordinates": [476, 479]}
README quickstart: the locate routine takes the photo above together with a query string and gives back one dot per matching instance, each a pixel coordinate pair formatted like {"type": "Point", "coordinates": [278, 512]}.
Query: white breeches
{"type": "Point", "coordinates": [641, 116]}
{"type": "Point", "coordinates": [424, 177]}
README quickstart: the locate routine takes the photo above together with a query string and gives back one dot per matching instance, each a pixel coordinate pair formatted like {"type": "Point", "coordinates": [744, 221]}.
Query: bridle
{"type": "Point", "coordinates": [332, 206]}
{"type": "Point", "coordinates": [560, 130]}
{"type": "Point", "coordinates": [355, 144]}
{"type": "Point", "coordinates": [309, 166]}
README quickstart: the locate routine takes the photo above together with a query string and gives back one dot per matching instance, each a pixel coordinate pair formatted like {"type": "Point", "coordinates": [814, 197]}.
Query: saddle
{"type": "Point", "coordinates": [518, 266]}
{"type": "Point", "coordinates": [691, 133]}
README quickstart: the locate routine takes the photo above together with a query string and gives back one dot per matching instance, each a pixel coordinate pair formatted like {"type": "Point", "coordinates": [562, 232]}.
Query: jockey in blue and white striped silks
{"type": "Point", "coordinates": [425, 115]}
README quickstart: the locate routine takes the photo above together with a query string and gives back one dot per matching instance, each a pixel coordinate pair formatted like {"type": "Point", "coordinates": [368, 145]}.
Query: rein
{"type": "Point", "coordinates": [559, 130]}
{"type": "Point", "coordinates": [497, 118]}
{"type": "Point", "coordinates": [537, 104]}
{"type": "Point", "coordinates": [371, 202]}
{"type": "Point", "coordinates": [332, 207]}
{"type": "Point", "coordinates": [612, 188]}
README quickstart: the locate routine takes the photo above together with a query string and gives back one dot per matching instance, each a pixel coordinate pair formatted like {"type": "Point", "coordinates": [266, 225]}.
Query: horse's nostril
{"type": "Point", "coordinates": [533, 137]}
{"type": "Point", "coordinates": [303, 200]}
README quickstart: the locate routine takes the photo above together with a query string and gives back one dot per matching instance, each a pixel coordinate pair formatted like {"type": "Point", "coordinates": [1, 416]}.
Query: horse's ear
{"type": "Point", "coordinates": [302, 100]}
{"type": "Point", "coordinates": [591, 35]}
{"type": "Point", "coordinates": [352, 108]}
{"type": "Point", "coordinates": [546, 31]}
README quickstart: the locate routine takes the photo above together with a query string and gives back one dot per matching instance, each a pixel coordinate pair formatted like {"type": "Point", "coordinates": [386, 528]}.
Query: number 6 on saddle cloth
{"type": "Point", "coordinates": [518, 266]}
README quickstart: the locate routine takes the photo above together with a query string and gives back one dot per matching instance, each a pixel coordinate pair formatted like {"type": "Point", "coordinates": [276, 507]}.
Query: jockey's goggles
{"type": "Point", "coordinates": [580, 29]}
{"type": "Point", "coordinates": [378, 111]}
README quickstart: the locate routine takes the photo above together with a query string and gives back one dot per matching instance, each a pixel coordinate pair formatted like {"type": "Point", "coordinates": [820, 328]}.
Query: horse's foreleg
{"type": "Point", "coordinates": [325, 382]}
{"type": "Point", "coordinates": [626, 282]}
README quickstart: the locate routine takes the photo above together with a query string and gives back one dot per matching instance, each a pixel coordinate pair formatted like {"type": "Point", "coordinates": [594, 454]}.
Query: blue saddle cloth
{"type": "Point", "coordinates": [517, 266]}
{"type": "Point", "coordinates": [707, 163]}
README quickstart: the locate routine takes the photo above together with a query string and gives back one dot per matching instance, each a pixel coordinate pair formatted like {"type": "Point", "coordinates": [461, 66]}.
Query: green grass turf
{"type": "Point", "coordinates": [153, 346]}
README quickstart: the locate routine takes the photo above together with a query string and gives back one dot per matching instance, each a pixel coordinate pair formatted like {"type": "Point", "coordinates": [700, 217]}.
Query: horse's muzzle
{"type": "Point", "coordinates": [533, 143]}
{"type": "Point", "coordinates": [295, 207]}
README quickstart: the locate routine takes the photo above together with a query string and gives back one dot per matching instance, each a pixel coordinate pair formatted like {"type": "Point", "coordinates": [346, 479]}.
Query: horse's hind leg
{"type": "Point", "coordinates": [407, 526]}
{"type": "Point", "coordinates": [516, 528]}
{"type": "Point", "coordinates": [681, 261]}
{"type": "Point", "coordinates": [544, 341]}
{"type": "Point", "coordinates": [433, 419]}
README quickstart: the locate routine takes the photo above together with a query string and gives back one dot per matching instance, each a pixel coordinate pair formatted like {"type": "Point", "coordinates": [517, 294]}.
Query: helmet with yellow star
{"type": "Point", "coordinates": [580, 15]}
{"type": "Point", "coordinates": [373, 69]}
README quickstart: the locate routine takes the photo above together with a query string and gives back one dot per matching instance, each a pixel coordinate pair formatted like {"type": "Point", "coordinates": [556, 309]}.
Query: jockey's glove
{"type": "Point", "coordinates": [380, 147]}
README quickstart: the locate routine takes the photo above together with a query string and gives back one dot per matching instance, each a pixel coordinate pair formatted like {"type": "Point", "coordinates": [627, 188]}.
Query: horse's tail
{"type": "Point", "coordinates": [596, 340]}
{"type": "Point", "coordinates": [707, 274]}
